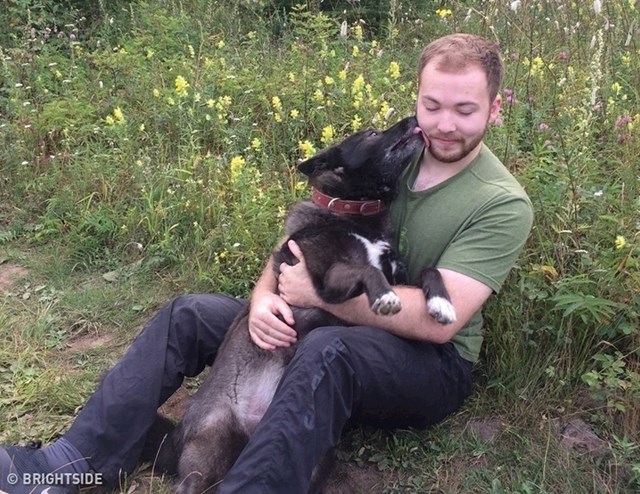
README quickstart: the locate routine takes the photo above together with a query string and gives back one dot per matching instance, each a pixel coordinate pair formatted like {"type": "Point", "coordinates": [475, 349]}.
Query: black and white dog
{"type": "Point", "coordinates": [344, 233]}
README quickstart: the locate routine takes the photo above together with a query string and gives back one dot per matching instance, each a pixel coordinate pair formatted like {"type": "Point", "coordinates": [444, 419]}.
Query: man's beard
{"type": "Point", "coordinates": [454, 155]}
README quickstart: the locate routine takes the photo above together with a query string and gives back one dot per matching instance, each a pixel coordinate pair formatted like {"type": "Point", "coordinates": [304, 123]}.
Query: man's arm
{"type": "Point", "coordinates": [270, 317]}
{"type": "Point", "coordinates": [413, 321]}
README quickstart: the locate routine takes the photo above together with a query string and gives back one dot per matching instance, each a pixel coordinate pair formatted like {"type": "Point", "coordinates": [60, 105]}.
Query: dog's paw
{"type": "Point", "coordinates": [387, 304]}
{"type": "Point", "coordinates": [441, 310]}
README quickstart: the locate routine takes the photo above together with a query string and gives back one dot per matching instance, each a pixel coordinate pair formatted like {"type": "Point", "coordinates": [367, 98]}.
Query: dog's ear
{"type": "Point", "coordinates": [318, 162]}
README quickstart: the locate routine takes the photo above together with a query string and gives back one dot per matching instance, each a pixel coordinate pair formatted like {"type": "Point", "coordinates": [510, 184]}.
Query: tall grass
{"type": "Point", "coordinates": [175, 126]}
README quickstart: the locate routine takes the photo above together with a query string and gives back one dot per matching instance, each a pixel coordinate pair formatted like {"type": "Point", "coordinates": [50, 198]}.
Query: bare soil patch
{"type": "Point", "coordinates": [89, 342]}
{"type": "Point", "coordinates": [9, 274]}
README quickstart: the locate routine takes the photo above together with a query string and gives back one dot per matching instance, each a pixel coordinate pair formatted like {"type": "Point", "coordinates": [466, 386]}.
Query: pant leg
{"type": "Point", "coordinates": [180, 340]}
{"type": "Point", "coordinates": [338, 374]}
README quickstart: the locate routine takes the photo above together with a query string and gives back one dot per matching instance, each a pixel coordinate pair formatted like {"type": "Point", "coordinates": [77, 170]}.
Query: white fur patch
{"type": "Point", "coordinates": [375, 250]}
{"type": "Point", "coordinates": [441, 310]}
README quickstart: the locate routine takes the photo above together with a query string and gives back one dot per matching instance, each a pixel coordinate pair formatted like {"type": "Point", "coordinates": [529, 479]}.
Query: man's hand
{"type": "Point", "coordinates": [294, 283]}
{"type": "Point", "coordinates": [271, 321]}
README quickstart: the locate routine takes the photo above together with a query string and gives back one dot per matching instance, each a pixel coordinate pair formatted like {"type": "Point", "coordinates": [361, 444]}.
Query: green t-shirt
{"type": "Point", "coordinates": [474, 223]}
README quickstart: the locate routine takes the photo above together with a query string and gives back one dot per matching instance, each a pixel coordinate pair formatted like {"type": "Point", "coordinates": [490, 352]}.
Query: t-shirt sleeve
{"type": "Point", "coordinates": [489, 245]}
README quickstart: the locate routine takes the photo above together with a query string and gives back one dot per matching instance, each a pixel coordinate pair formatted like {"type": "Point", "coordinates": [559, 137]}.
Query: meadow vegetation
{"type": "Point", "coordinates": [149, 149]}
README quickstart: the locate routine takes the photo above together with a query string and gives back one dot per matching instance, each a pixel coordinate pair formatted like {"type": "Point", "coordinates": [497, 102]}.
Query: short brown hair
{"type": "Point", "coordinates": [457, 51]}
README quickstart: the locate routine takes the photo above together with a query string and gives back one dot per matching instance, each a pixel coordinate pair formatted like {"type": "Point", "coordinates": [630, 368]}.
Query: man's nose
{"type": "Point", "coordinates": [446, 124]}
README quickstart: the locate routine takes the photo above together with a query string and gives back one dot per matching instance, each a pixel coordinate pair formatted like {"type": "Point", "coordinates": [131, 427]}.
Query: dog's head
{"type": "Point", "coordinates": [365, 165]}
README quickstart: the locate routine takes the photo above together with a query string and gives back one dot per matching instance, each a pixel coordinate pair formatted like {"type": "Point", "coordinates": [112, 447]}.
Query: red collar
{"type": "Point", "coordinates": [356, 208]}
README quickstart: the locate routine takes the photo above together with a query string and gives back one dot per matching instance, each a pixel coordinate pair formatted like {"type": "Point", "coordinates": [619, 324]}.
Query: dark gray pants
{"type": "Point", "coordinates": [337, 374]}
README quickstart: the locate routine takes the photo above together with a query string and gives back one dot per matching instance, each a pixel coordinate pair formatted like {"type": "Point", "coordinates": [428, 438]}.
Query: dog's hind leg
{"type": "Point", "coordinates": [438, 300]}
{"type": "Point", "coordinates": [209, 453]}
{"type": "Point", "coordinates": [321, 473]}
{"type": "Point", "coordinates": [161, 447]}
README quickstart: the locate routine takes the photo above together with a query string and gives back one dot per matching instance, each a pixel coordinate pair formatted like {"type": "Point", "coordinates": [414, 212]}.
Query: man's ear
{"type": "Point", "coordinates": [494, 110]}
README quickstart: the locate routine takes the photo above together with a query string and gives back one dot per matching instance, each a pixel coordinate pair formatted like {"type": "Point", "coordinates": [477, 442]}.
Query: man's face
{"type": "Point", "coordinates": [454, 111]}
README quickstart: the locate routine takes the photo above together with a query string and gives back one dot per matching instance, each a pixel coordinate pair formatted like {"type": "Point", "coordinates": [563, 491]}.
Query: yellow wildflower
{"type": "Point", "coordinates": [109, 120]}
{"type": "Point", "coordinates": [307, 149]}
{"type": "Point", "coordinates": [291, 77]}
{"type": "Point", "coordinates": [355, 51]}
{"type": "Point", "coordinates": [620, 242]}
{"type": "Point", "coordinates": [220, 45]}
{"type": "Point", "coordinates": [210, 103]}
{"type": "Point", "coordinates": [327, 135]}
{"type": "Point", "coordinates": [357, 85]}
{"type": "Point", "coordinates": [535, 66]}
{"type": "Point", "coordinates": [224, 102]}
{"type": "Point", "coordinates": [342, 75]}
{"type": "Point", "coordinates": [356, 123]}
{"type": "Point", "coordinates": [192, 52]}
{"type": "Point", "coordinates": [276, 103]}
{"type": "Point", "coordinates": [118, 116]}
{"type": "Point", "coordinates": [394, 70]}
{"type": "Point", "coordinates": [256, 144]}
{"type": "Point", "coordinates": [156, 92]}
{"type": "Point", "coordinates": [442, 13]}
{"type": "Point", "coordinates": [236, 166]}
{"type": "Point", "coordinates": [328, 80]}
{"type": "Point", "coordinates": [181, 86]}
{"type": "Point", "coordinates": [294, 114]}
{"type": "Point", "coordinates": [357, 31]}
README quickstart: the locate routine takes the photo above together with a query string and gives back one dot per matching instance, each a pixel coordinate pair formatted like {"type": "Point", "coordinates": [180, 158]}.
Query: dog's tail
{"type": "Point", "coordinates": [161, 449]}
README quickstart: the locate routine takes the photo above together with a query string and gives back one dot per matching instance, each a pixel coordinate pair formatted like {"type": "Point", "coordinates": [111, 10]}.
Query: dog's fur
{"type": "Point", "coordinates": [346, 255]}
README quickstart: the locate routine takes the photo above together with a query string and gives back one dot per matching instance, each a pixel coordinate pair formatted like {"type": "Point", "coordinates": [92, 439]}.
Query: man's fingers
{"type": "Point", "coordinates": [295, 250]}
{"type": "Point", "coordinates": [270, 338]}
{"type": "Point", "coordinates": [287, 315]}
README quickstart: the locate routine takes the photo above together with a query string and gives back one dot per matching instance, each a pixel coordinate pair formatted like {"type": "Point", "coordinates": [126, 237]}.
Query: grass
{"type": "Point", "coordinates": [146, 154]}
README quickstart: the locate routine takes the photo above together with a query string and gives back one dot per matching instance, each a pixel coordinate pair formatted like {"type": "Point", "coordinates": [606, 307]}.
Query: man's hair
{"type": "Point", "coordinates": [456, 52]}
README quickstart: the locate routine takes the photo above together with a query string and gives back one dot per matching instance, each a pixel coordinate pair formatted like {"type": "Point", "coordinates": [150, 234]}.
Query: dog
{"type": "Point", "coordinates": [344, 233]}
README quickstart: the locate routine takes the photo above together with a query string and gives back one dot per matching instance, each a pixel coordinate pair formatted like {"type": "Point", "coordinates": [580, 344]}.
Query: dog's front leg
{"type": "Point", "coordinates": [438, 300]}
{"type": "Point", "coordinates": [344, 281]}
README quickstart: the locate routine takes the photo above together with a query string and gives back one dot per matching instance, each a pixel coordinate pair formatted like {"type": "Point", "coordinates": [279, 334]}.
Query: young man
{"type": "Point", "coordinates": [459, 209]}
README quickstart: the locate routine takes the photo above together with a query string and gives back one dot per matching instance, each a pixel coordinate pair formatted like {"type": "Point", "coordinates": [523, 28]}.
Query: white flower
{"type": "Point", "coordinates": [389, 113]}
{"type": "Point", "coordinates": [597, 6]}
{"type": "Point", "coordinates": [515, 5]}
{"type": "Point", "coordinates": [343, 29]}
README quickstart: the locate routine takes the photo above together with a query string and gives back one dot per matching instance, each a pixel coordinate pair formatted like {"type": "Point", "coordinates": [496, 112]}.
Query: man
{"type": "Point", "coordinates": [459, 209]}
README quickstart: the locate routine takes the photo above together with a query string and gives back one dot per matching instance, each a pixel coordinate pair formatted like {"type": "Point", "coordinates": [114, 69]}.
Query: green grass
{"type": "Point", "coordinates": [146, 153]}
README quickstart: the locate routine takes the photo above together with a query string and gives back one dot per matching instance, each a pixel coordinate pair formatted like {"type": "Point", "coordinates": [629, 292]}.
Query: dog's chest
{"type": "Point", "coordinates": [379, 253]}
